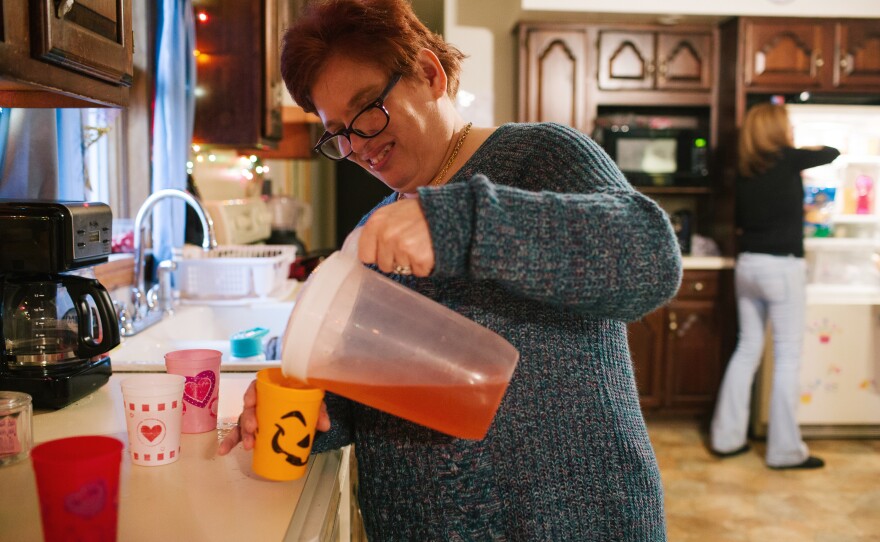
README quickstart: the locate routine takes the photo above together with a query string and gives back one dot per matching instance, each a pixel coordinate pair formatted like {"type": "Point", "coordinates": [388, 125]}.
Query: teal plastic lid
{"type": "Point", "coordinates": [248, 343]}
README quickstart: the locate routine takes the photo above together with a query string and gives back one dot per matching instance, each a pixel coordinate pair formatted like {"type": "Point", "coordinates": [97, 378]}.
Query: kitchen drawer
{"type": "Point", "coordinates": [702, 284]}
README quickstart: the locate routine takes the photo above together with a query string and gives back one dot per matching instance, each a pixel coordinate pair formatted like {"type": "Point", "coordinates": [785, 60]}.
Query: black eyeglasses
{"type": "Point", "coordinates": [368, 123]}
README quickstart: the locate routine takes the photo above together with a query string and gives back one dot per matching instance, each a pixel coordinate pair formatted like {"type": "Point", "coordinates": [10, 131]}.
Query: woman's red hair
{"type": "Point", "coordinates": [383, 32]}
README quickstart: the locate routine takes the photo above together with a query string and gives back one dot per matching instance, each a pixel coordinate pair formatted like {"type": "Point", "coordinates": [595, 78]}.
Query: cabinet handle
{"type": "Point", "coordinates": [651, 68]}
{"type": "Point", "coordinates": [673, 321]}
{"type": "Point", "coordinates": [663, 69]}
{"type": "Point", "coordinates": [64, 7]}
{"type": "Point", "coordinates": [819, 60]}
{"type": "Point", "coordinates": [698, 286]}
{"type": "Point", "coordinates": [846, 63]}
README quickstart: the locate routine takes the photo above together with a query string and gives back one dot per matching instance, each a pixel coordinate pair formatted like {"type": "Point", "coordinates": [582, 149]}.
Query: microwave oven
{"type": "Point", "coordinates": [658, 157]}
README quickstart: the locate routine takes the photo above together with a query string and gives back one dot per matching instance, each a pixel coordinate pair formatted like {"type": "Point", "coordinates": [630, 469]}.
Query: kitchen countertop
{"type": "Point", "coordinates": [201, 496]}
{"type": "Point", "coordinates": [707, 262]}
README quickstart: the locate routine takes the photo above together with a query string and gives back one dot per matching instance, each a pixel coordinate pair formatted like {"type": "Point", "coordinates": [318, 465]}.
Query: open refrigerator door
{"type": "Point", "coordinates": [840, 369]}
{"type": "Point", "coordinates": [842, 222]}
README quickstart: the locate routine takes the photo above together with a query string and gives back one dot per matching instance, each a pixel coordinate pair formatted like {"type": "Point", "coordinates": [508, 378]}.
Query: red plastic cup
{"type": "Point", "coordinates": [201, 392]}
{"type": "Point", "coordinates": [78, 487]}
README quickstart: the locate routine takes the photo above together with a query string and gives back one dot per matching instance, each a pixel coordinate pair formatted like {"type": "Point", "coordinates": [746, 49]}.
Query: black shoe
{"type": "Point", "coordinates": [724, 455]}
{"type": "Point", "coordinates": [810, 463]}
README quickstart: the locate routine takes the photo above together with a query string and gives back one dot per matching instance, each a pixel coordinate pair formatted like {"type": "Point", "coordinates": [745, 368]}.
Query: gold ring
{"type": "Point", "coordinates": [402, 270]}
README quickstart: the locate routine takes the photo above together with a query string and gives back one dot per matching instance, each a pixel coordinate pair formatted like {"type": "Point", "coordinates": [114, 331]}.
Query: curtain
{"type": "Point", "coordinates": [5, 113]}
{"type": "Point", "coordinates": [173, 119]}
{"type": "Point", "coordinates": [41, 154]}
{"type": "Point", "coordinates": [69, 138]}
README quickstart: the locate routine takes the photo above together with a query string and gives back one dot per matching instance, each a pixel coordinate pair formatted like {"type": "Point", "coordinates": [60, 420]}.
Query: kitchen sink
{"type": "Point", "coordinates": [201, 326]}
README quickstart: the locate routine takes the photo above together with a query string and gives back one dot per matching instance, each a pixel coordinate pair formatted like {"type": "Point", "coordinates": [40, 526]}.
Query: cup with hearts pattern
{"type": "Point", "coordinates": [201, 368]}
{"type": "Point", "coordinates": [153, 405]}
{"type": "Point", "coordinates": [78, 487]}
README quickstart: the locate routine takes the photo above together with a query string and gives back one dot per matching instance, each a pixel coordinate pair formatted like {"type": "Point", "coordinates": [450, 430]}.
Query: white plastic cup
{"type": "Point", "coordinates": [361, 335]}
{"type": "Point", "coordinates": [153, 414]}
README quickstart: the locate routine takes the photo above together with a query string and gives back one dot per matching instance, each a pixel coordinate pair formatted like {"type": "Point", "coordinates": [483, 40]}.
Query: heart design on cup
{"type": "Point", "coordinates": [88, 500]}
{"type": "Point", "coordinates": [198, 389]}
{"type": "Point", "coordinates": [151, 432]}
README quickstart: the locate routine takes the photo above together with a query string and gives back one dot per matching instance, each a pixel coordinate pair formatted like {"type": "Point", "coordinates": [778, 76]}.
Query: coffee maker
{"type": "Point", "coordinates": [57, 327]}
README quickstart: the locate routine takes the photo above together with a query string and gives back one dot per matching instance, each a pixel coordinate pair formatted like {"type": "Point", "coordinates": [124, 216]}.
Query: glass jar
{"type": "Point", "coordinates": [16, 427]}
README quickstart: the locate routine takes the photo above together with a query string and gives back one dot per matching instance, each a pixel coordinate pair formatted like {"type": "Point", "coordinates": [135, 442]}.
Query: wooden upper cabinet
{"type": "Point", "coordinates": [239, 88]}
{"type": "Point", "coordinates": [648, 60]}
{"type": "Point", "coordinates": [86, 36]}
{"type": "Point", "coordinates": [626, 60]}
{"type": "Point", "coordinates": [69, 53]}
{"type": "Point", "coordinates": [857, 62]}
{"type": "Point", "coordinates": [552, 76]}
{"type": "Point", "coordinates": [812, 54]}
{"type": "Point", "coordinates": [780, 53]}
{"type": "Point", "coordinates": [684, 61]}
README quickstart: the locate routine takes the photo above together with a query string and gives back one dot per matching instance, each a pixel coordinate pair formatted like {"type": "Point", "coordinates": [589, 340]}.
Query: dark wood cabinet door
{"type": "Point", "coordinates": [684, 61]}
{"type": "Point", "coordinates": [553, 76]}
{"type": "Point", "coordinates": [239, 102]}
{"type": "Point", "coordinates": [858, 55]}
{"type": "Point", "coordinates": [692, 355]}
{"type": "Point", "coordinates": [92, 37]}
{"type": "Point", "coordinates": [787, 55]}
{"type": "Point", "coordinates": [646, 344]}
{"type": "Point", "coordinates": [626, 60]}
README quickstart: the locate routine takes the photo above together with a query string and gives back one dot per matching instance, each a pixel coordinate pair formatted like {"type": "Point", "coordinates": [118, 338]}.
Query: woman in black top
{"type": "Point", "coordinates": [770, 283]}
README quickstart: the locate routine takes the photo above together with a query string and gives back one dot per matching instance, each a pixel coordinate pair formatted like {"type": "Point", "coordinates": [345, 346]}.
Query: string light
{"type": "Point", "coordinates": [246, 169]}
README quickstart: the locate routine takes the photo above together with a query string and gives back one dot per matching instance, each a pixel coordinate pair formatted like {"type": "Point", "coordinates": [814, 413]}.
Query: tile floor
{"type": "Point", "coordinates": [740, 500]}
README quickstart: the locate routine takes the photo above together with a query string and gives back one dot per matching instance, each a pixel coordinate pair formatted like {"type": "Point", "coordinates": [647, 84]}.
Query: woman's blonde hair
{"type": "Point", "coordinates": [765, 132]}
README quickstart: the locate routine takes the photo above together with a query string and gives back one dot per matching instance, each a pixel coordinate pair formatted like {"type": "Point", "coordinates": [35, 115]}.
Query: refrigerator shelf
{"type": "Point", "coordinates": [842, 294]}
{"type": "Point", "coordinates": [855, 219]}
{"type": "Point", "coordinates": [840, 243]}
{"type": "Point", "coordinates": [858, 159]}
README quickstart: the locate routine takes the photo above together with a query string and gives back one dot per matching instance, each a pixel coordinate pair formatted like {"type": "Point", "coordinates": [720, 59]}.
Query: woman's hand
{"type": "Point", "coordinates": [396, 238]}
{"type": "Point", "coordinates": [246, 430]}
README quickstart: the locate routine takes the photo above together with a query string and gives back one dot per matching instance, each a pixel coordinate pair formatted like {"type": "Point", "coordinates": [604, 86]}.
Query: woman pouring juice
{"type": "Point", "coordinates": [527, 229]}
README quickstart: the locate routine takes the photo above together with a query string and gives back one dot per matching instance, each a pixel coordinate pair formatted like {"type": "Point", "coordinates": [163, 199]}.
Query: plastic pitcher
{"type": "Point", "coordinates": [363, 336]}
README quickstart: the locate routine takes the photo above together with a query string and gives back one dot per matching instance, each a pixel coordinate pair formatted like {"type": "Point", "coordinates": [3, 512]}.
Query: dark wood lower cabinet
{"type": "Point", "coordinates": [680, 350]}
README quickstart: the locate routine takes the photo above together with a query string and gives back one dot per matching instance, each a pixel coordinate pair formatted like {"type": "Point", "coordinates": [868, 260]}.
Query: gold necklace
{"type": "Point", "coordinates": [439, 178]}
{"type": "Point", "coordinates": [449, 162]}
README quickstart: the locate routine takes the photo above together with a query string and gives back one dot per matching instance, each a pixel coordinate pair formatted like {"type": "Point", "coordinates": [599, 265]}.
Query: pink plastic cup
{"type": "Point", "coordinates": [78, 487]}
{"type": "Point", "coordinates": [201, 367]}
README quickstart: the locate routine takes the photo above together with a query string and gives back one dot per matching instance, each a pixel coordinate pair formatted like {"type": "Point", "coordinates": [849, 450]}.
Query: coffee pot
{"type": "Point", "coordinates": [57, 326]}
{"type": "Point", "coordinates": [55, 320]}
{"type": "Point", "coordinates": [56, 332]}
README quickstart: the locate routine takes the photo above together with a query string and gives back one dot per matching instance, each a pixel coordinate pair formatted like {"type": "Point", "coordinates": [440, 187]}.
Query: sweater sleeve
{"type": "Point", "coordinates": [806, 158]}
{"type": "Point", "coordinates": [609, 253]}
{"type": "Point", "coordinates": [339, 435]}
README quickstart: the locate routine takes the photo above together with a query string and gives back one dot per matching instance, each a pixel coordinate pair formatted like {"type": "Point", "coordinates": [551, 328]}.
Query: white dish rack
{"type": "Point", "coordinates": [233, 271]}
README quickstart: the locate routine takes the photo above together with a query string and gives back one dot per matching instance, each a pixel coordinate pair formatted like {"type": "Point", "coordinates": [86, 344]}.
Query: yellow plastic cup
{"type": "Point", "coordinates": [287, 412]}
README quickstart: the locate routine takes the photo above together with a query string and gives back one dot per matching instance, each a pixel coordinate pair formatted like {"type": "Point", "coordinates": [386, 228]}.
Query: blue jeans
{"type": "Point", "coordinates": [771, 287]}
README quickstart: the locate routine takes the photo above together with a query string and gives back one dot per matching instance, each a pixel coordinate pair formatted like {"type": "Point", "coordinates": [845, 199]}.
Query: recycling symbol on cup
{"type": "Point", "coordinates": [305, 443]}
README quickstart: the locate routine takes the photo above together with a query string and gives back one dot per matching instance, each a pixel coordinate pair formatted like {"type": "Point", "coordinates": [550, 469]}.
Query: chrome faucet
{"type": "Point", "coordinates": [147, 309]}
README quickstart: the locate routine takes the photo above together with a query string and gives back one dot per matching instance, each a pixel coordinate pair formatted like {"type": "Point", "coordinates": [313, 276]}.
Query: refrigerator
{"type": "Point", "coordinates": [840, 371]}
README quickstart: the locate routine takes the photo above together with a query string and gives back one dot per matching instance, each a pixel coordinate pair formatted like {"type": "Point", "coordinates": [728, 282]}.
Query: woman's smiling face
{"type": "Point", "coordinates": [403, 155]}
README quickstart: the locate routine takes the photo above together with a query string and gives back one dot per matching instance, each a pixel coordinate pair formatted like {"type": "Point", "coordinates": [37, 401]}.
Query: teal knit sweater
{"type": "Point", "coordinates": [540, 238]}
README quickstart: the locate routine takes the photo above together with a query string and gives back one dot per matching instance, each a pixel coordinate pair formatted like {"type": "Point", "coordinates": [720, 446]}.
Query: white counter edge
{"type": "Point", "coordinates": [707, 262]}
